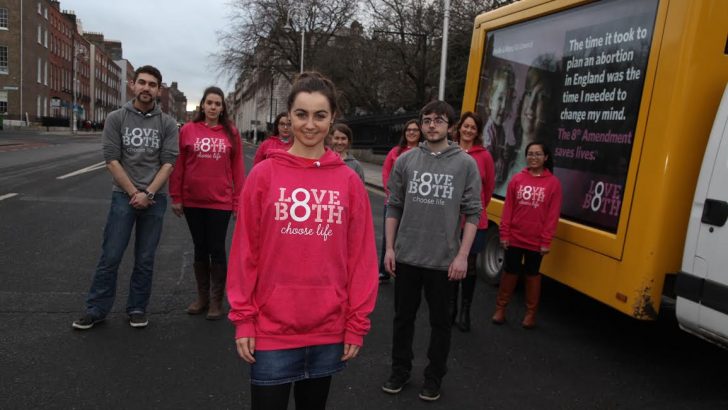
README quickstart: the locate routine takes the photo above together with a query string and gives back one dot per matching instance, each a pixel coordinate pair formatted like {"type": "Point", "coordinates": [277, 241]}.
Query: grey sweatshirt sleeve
{"type": "Point", "coordinates": [359, 171]}
{"type": "Point", "coordinates": [396, 187]}
{"type": "Point", "coordinates": [471, 206]}
{"type": "Point", "coordinates": [170, 145]}
{"type": "Point", "coordinates": [111, 137]}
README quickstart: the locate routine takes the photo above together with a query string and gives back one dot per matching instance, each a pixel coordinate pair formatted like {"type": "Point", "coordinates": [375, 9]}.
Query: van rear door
{"type": "Point", "coordinates": [702, 286]}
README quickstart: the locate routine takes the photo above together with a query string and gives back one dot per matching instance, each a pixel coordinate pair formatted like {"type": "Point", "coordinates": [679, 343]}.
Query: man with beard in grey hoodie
{"type": "Point", "coordinates": [431, 187]}
{"type": "Point", "coordinates": [140, 148]}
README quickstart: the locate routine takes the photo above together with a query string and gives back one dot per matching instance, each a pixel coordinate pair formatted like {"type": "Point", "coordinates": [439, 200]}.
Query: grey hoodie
{"type": "Point", "coordinates": [352, 163]}
{"type": "Point", "coordinates": [142, 143]}
{"type": "Point", "coordinates": [428, 194]}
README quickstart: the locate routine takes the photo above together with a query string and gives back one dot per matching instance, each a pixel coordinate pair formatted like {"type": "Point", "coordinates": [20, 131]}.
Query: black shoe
{"type": "Point", "coordinates": [383, 277]}
{"type": "Point", "coordinates": [86, 322]}
{"type": "Point", "coordinates": [395, 383]}
{"type": "Point", "coordinates": [430, 390]}
{"type": "Point", "coordinates": [138, 319]}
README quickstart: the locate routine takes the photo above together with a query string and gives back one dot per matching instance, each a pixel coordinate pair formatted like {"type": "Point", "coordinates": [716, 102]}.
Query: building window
{"type": "Point", "coordinates": [40, 34]}
{"type": "Point", "coordinates": [45, 74]}
{"type": "Point", "coordinates": [45, 39]}
{"type": "Point", "coordinates": [37, 108]}
{"type": "Point", "coordinates": [40, 70]}
{"type": "Point", "coordinates": [40, 7]}
{"type": "Point", "coordinates": [45, 13]}
{"type": "Point", "coordinates": [3, 59]}
{"type": "Point", "coordinates": [45, 106]}
{"type": "Point", "coordinates": [3, 19]}
{"type": "Point", "coordinates": [3, 102]}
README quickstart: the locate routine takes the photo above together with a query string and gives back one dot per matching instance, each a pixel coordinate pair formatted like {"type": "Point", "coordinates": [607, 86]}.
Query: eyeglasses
{"type": "Point", "coordinates": [412, 130]}
{"type": "Point", "coordinates": [535, 154]}
{"type": "Point", "coordinates": [434, 121]}
{"type": "Point", "coordinates": [283, 125]}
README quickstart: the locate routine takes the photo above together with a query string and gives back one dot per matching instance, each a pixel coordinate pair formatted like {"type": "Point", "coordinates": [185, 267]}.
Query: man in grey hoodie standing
{"type": "Point", "coordinates": [430, 187]}
{"type": "Point", "coordinates": [140, 145]}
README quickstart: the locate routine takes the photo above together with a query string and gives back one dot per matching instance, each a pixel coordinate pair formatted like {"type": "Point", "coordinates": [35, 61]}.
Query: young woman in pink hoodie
{"type": "Point", "coordinates": [469, 136]}
{"type": "Point", "coordinates": [205, 186]}
{"type": "Point", "coordinates": [528, 224]}
{"type": "Point", "coordinates": [281, 138]}
{"type": "Point", "coordinates": [411, 138]}
{"type": "Point", "coordinates": [302, 278]}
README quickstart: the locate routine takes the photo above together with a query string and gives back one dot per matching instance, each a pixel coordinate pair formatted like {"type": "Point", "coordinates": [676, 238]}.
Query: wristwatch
{"type": "Point", "coordinates": [150, 195]}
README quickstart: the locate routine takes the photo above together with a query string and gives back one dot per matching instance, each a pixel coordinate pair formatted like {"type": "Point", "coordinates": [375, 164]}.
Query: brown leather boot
{"type": "Point", "coordinates": [533, 294]}
{"type": "Point", "coordinates": [508, 282]}
{"type": "Point", "coordinates": [202, 277]}
{"type": "Point", "coordinates": [218, 274]}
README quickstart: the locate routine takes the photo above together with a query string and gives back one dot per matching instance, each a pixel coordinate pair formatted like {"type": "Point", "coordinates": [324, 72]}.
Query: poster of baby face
{"type": "Point", "coordinates": [573, 81]}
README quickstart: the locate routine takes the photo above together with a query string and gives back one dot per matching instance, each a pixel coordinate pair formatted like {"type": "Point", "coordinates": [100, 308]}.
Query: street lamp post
{"type": "Point", "coordinates": [443, 56]}
{"type": "Point", "coordinates": [288, 27]}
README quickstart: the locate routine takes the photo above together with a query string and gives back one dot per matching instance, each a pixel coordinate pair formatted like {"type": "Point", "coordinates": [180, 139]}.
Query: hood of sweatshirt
{"type": "Point", "coordinates": [330, 159]}
{"type": "Point", "coordinates": [451, 149]}
{"type": "Point", "coordinates": [544, 174]}
{"type": "Point", "coordinates": [156, 110]}
{"type": "Point", "coordinates": [475, 149]}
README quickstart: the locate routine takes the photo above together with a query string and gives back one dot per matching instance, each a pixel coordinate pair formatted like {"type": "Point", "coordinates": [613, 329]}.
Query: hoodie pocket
{"type": "Point", "coordinates": [292, 310]}
{"type": "Point", "coordinates": [208, 190]}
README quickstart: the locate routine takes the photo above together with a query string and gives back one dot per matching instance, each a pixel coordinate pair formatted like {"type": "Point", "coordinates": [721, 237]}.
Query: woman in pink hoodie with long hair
{"type": "Point", "coordinates": [205, 186]}
{"type": "Point", "coordinates": [469, 136]}
{"type": "Point", "coordinates": [302, 278]}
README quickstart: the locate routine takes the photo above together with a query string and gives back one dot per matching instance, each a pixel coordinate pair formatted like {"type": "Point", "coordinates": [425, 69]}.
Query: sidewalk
{"type": "Point", "coordinates": [372, 175]}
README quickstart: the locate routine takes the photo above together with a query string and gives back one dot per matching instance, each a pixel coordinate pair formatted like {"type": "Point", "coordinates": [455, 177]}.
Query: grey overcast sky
{"type": "Point", "coordinates": [176, 36]}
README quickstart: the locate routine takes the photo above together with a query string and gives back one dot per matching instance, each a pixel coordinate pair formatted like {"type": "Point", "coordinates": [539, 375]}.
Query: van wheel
{"type": "Point", "coordinates": [490, 261]}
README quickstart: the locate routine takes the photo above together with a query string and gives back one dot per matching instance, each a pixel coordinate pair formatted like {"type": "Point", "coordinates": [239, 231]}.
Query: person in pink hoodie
{"type": "Point", "coordinates": [302, 278]}
{"type": "Point", "coordinates": [281, 138]}
{"type": "Point", "coordinates": [469, 136]}
{"type": "Point", "coordinates": [205, 186]}
{"type": "Point", "coordinates": [411, 138]}
{"type": "Point", "coordinates": [528, 224]}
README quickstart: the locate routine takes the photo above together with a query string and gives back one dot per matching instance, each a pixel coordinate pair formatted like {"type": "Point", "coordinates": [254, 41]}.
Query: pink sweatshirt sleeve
{"type": "Point", "coordinates": [505, 226]}
{"type": "Point", "coordinates": [176, 179]}
{"type": "Point", "coordinates": [551, 221]}
{"type": "Point", "coordinates": [243, 266]}
{"type": "Point", "coordinates": [361, 264]}
{"type": "Point", "coordinates": [238, 168]}
{"type": "Point", "coordinates": [387, 168]}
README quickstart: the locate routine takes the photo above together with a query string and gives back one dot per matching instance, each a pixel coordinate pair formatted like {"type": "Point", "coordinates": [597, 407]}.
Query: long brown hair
{"type": "Point", "coordinates": [223, 120]}
{"type": "Point", "coordinates": [478, 125]}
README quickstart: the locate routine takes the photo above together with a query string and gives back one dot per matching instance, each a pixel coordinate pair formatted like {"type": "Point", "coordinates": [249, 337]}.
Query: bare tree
{"type": "Point", "coordinates": [264, 36]}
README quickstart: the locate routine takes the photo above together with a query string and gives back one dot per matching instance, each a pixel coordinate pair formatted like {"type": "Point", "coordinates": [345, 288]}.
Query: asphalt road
{"type": "Point", "coordinates": [583, 355]}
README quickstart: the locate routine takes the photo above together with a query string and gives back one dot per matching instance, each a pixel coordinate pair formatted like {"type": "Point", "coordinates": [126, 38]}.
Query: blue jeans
{"type": "Point", "coordinates": [122, 218]}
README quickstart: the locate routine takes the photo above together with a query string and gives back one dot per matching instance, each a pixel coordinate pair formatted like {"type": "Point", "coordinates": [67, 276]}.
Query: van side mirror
{"type": "Point", "coordinates": [715, 212]}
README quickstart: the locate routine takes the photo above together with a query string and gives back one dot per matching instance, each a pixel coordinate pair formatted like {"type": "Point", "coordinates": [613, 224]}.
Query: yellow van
{"type": "Point", "coordinates": [625, 93]}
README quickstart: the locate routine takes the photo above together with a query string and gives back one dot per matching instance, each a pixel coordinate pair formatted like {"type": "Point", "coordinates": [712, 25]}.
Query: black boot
{"type": "Point", "coordinates": [452, 304]}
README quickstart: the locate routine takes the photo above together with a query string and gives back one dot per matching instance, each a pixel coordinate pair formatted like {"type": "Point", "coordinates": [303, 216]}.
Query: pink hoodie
{"type": "Point", "coordinates": [303, 265]}
{"type": "Point", "coordinates": [271, 143]}
{"type": "Point", "coordinates": [389, 161]}
{"type": "Point", "coordinates": [531, 210]}
{"type": "Point", "coordinates": [487, 177]}
{"type": "Point", "coordinates": [208, 172]}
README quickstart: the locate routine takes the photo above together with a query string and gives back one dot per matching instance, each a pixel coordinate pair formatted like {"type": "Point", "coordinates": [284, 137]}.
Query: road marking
{"type": "Point", "coordinates": [93, 167]}
{"type": "Point", "coordinates": [6, 196]}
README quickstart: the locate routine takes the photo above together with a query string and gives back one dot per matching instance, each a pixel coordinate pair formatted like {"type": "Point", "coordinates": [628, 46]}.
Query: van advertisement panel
{"type": "Point", "coordinates": [573, 80]}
